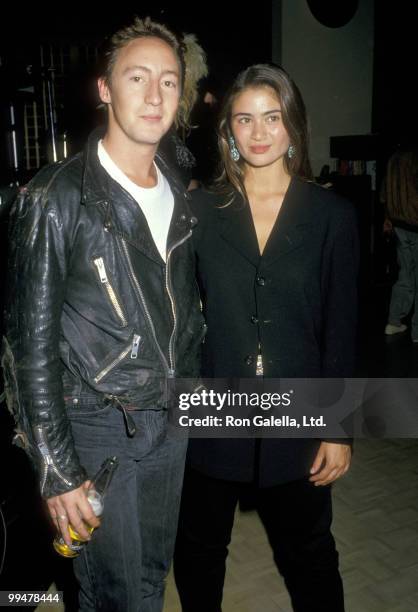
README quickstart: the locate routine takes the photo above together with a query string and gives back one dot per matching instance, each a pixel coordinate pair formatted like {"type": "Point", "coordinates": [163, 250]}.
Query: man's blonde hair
{"type": "Point", "coordinates": [190, 55]}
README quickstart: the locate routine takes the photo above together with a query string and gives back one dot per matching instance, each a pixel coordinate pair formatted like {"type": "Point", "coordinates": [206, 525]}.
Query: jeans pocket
{"type": "Point", "coordinates": [79, 406]}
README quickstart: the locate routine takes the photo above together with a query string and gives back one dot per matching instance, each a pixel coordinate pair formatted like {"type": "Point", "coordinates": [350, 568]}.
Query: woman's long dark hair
{"type": "Point", "coordinates": [231, 177]}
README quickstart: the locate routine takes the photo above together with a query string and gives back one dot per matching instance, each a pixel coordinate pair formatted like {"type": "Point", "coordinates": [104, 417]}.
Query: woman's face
{"type": "Point", "coordinates": [257, 127]}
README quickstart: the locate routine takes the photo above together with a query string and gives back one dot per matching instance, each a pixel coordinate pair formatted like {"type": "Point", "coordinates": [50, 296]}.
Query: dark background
{"type": "Point", "coordinates": [232, 40]}
{"type": "Point", "coordinates": [233, 34]}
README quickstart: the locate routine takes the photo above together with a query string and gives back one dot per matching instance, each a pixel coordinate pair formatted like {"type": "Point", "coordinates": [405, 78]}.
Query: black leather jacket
{"type": "Point", "coordinates": [92, 306]}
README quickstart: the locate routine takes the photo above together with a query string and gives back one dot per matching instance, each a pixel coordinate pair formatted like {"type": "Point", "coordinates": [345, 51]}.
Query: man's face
{"type": "Point", "coordinates": [144, 91]}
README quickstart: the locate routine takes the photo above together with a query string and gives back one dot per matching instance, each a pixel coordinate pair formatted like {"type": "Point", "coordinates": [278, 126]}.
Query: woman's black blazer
{"type": "Point", "coordinates": [298, 300]}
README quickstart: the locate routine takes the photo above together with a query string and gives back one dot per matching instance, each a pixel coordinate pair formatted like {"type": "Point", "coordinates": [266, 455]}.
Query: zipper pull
{"type": "Point", "coordinates": [99, 263]}
{"type": "Point", "coordinates": [129, 422]}
{"type": "Point", "coordinates": [171, 373]}
{"type": "Point", "coordinates": [135, 346]}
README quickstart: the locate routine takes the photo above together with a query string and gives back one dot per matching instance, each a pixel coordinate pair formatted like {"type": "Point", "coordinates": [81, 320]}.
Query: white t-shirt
{"type": "Point", "coordinates": [157, 203]}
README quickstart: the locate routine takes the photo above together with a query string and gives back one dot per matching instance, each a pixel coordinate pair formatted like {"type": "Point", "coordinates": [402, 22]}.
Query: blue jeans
{"type": "Point", "coordinates": [124, 566]}
{"type": "Point", "coordinates": [405, 290]}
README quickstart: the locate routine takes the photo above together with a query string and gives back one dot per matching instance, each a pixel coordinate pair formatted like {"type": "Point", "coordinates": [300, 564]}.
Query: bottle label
{"type": "Point", "coordinates": [95, 501]}
{"type": "Point", "coordinates": [76, 545]}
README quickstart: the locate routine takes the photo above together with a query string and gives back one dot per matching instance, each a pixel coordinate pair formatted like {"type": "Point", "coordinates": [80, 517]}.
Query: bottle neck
{"type": "Point", "coordinates": [101, 480]}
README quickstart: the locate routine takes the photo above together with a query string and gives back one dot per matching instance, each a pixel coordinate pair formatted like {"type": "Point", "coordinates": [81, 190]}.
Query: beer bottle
{"type": "Point", "coordinates": [95, 495]}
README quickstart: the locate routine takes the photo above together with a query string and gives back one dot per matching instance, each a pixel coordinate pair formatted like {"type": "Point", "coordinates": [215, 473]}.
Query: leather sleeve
{"type": "Point", "coordinates": [39, 248]}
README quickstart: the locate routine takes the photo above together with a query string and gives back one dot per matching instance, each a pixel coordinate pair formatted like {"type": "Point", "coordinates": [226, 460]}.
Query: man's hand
{"type": "Point", "coordinates": [331, 462]}
{"type": "Point", "coordinates": [73, 508]}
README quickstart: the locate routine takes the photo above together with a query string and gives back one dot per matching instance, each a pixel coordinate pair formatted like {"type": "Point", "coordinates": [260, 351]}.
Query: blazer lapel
{"type": "Point", "coordinates": [292, 225]}
{"type": "Point", "coordinates": [237, 229]}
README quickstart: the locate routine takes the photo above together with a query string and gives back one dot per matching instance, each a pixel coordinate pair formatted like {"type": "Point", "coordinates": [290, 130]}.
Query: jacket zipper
{"type": "Point", "coordinates": [135, 346]}
{"type": "Point", "coordinates": [47, 460]}
{"type": "Point", "coordinates": [173, 306]}
{"type": "Point", "coordinates": [140, 294]}
{"type": "Point", "coordinates": [99, 263]}
{"type": "Point", "coordinates": [132, 348]}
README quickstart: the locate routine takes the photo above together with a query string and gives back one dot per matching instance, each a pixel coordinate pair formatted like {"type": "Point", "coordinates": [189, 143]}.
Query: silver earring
{"type": "Point", "coordinates": [233, 149]}
{"type": "Point", "coordinates": [291, 151]}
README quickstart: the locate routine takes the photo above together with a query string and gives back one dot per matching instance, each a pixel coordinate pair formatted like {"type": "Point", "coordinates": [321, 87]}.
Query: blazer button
{"type": "Point", "coordinates": [260, 280]}
{"type": "Point", "coordinates": [254, 320]}
{"type": "Point", "coordinates": [249, 360]}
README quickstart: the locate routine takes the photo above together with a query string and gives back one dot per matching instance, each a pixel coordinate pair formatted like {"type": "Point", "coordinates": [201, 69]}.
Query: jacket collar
{"type": "Point", "coordinates": [121, 214]}
{"type": "Point", "coordinates": [237, 228]}
{"type": "Point", "coordinates": [293, 223]}
{"type": "Point", "coordinates": [96, 181]}
{"type": "Point", "coordinates": [289, 230]}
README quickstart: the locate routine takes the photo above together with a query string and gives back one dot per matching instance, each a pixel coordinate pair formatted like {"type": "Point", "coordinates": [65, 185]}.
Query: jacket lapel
{"type": "Point", "coordinates": [293, 223]}
{"type": "Point", "coordinates": [121, 213]}
{"type": "Point", "coordinates": [236, 227]}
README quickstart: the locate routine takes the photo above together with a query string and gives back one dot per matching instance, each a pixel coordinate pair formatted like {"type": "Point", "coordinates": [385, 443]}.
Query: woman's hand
{"type": "Point", "coordinates": [331, 462]}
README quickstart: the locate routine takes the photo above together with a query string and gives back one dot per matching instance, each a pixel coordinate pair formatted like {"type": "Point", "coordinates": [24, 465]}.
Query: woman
{"type": "Point", "coordinates": [276, 261]}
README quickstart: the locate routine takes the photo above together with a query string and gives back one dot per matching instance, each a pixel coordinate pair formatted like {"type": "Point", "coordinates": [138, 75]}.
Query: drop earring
{"type": "Point", "coordinates": [291, 151]}
{"type": "Point", "coordinates": [233, 149]}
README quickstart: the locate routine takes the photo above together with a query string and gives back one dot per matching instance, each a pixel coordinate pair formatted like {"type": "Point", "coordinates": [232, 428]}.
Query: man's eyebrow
{"type": "Point", "coordinates": [146, 69]}
{"type": "Point", "coordinates": [136, 67]}
{"type": "Point", "coordinates": [173, 72]}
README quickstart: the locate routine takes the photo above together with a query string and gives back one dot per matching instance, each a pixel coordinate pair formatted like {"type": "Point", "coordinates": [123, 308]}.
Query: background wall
{"type": "Point", "coordinates": [333, 68]}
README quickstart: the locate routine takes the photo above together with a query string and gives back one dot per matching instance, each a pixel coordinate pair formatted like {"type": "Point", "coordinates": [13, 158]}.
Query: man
{"type": "Point", "coordinates": [102, 310]}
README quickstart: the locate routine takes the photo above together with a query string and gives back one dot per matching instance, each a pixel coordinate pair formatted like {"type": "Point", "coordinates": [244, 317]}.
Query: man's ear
{"type": "Point", "coordinates": [104, 91]}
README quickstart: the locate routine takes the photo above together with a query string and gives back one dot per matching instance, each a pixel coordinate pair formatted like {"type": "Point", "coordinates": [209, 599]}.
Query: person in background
{"type": "Point", "coordinates": [277, 260]}
{"type": "Point", "coordinates": [202, 137]}
{"type": "Point", "coordinates": [399, 195]}
{"type": "Point", "coordinates": [174, 145]}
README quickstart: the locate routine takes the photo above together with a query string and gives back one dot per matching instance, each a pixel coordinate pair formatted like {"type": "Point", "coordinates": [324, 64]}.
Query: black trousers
{"type": "Point", "coordinates": [297, 518]}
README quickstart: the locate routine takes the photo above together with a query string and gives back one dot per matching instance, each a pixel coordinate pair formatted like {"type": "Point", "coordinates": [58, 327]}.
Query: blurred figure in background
{"type": "Point", "coordinates": [202, 138]}
{"type": "Point", "coordinates": [400, 197]}
{"type": "Point", "coordinates": [173, 145]}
